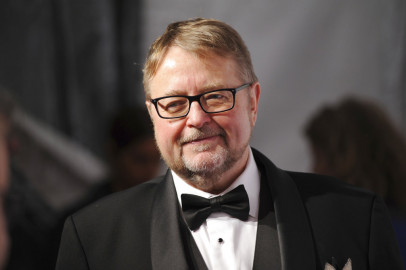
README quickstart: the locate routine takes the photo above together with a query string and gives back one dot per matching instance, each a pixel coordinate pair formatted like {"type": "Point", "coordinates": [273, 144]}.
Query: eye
{"type": "Point", "coordinates": [215, 96]}
{"type": "Point", "coordinates": [218, 97]}
{"type": "Point", "coordinates": [173, 104]}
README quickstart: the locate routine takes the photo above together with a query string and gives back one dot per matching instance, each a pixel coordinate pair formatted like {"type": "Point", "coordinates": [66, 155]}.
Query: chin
{"type": "Point", "coordinates": [206, 162]}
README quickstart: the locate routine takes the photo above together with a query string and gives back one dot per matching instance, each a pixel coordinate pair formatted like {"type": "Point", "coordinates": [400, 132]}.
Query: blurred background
{"type": "Point", "coordinates": [71, 65]}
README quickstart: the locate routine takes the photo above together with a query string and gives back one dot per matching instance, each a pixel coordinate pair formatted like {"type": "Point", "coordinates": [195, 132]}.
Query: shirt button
{"type": "Point", "coordinates": [220, 240]}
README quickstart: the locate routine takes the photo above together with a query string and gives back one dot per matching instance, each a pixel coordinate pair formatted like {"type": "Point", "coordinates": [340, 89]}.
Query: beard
{"type": "Point", "coordinates": [204, 164]}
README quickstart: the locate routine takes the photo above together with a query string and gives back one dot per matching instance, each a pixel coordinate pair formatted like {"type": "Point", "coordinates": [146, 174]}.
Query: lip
{"type": "Point", "coordinates": [204, 140]}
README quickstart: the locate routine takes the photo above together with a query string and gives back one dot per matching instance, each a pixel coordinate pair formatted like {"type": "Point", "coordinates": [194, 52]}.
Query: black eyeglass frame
{"type": "Point", "coordinates": [197, 98]}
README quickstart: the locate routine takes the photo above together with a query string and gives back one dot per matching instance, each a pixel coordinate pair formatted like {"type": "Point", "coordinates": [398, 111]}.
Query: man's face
{"type": "Point", "coordinates": [202, 144]}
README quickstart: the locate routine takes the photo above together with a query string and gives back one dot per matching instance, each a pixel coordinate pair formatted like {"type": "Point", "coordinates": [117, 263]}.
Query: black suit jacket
{"type": "Point", "coordinates": [318, 220]}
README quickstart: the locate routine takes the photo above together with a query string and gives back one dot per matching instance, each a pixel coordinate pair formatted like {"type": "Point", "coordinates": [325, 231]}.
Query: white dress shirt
{"type": "Point", "coordinates": [226, 242]}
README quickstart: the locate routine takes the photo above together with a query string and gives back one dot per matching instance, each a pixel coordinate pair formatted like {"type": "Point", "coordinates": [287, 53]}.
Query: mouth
{"type": "Point", "coordinates": [205, 135]}
{"type": "Point", "coordinates": [203, 139]}
{"type": "Point", "coordinates": [200, 138]}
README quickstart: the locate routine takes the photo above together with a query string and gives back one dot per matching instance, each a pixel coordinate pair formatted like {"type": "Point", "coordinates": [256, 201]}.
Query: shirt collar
{"type": "Point", "coordinates": [250, 178]}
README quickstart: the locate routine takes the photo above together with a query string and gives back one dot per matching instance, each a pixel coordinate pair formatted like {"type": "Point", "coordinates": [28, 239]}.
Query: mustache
{"type": "Point", "coordinates": [202, 133]}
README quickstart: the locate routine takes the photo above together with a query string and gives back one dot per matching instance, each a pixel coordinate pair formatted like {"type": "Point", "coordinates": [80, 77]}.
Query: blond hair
{"type": "Point", "coordinates": [199, 36]}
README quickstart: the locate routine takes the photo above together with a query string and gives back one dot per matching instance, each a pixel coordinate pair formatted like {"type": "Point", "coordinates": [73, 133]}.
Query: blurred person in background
{"type": "Point", "coordinates": [132, 158]}
{"type": "Point", "coordinates": [355, 141]}
{"type": "Point", "coordinates": [132, 155]}
{"type": "Point", "coordinates": [27, 223]}
{"type": "Point", "coordinates": [132, 152]}
{"type": "Point", "coordinates": [6, 106]}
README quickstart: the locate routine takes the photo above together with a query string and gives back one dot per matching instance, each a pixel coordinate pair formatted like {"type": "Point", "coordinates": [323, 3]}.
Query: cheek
{"type": "Point", "coordinates": [166, 134]}
{"type": "Point", "coordinates": [243, 129]}
{"type": "Point", "coordinates": [237, 127]}
{"type": "Point", "coordinates": [243, 120]}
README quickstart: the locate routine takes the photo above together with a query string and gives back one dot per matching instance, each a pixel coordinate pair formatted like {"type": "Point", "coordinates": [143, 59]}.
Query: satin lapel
{"type": "Point", "coordinates": [166, 236]}
{"type": "Point", "coordinates": [196, 258]}
{"type": "Point", "coordinates": [294, 233]}
{"type": "Point", "coordinates": [267, 254]}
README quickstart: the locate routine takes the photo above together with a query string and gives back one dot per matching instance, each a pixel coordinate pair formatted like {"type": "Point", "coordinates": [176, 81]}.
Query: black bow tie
{"type": "Point", "coordinates": [196, 209]}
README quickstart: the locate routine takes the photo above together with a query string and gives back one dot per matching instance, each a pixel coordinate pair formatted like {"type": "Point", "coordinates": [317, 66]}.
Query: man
{"type": "Point", "coordinates": [202, 95]}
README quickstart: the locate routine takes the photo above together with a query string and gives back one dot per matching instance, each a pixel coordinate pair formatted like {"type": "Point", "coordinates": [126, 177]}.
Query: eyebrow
{"type": "Point", "coordinates": [206, 88]}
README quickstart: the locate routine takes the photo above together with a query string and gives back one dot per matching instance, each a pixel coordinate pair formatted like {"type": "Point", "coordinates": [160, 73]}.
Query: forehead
{"type": "Point", "coordinates": [184, 71]}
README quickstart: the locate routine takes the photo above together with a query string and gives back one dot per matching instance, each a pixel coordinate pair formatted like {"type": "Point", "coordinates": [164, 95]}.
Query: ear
{"type": "Point", "coordinates": [150, 108]}
{"type": "Point", "coordinates": [255, 91]}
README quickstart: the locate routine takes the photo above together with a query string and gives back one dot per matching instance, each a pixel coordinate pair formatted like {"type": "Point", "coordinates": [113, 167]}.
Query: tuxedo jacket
{"type": "Point", "coordinates": [307, 221]}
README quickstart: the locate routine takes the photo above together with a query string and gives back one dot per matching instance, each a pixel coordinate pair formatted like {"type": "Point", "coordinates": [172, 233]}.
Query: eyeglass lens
{"type": "Point", "coordinates": [211, 102]}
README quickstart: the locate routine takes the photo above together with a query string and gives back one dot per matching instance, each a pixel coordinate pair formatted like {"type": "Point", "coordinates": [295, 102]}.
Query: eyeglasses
{"type": "Point", "coordinates": [215, 101]}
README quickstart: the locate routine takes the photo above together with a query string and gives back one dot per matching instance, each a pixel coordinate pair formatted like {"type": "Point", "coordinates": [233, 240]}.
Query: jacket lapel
{"type": "Point", "coordinates": [167, 249]}
{"type": "Point", "coordinates": [294, 234]}
{"type": "Point", "coordinates": [172, 245]}
{"type": "Point", "coordinates": [267, 254]}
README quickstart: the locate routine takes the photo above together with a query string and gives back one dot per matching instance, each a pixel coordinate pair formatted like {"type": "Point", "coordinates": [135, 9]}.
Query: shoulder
{"type": "Point", "coordinates": [322, 187]}
{"type": "Point", "coordinates": [136, 200]}
{"type": "Point", "coordinates": [315, 184]}
{"type": "Point", "coordinates": [317, 191]}
{"type": "Point", "coordinates": [331, 203]}
{"type": "Point", "coordinates": [311, 185]}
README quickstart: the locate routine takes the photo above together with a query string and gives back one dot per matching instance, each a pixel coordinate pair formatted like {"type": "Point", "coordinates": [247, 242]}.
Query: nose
{"type": "Point", "coordinates": [197, 117]}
